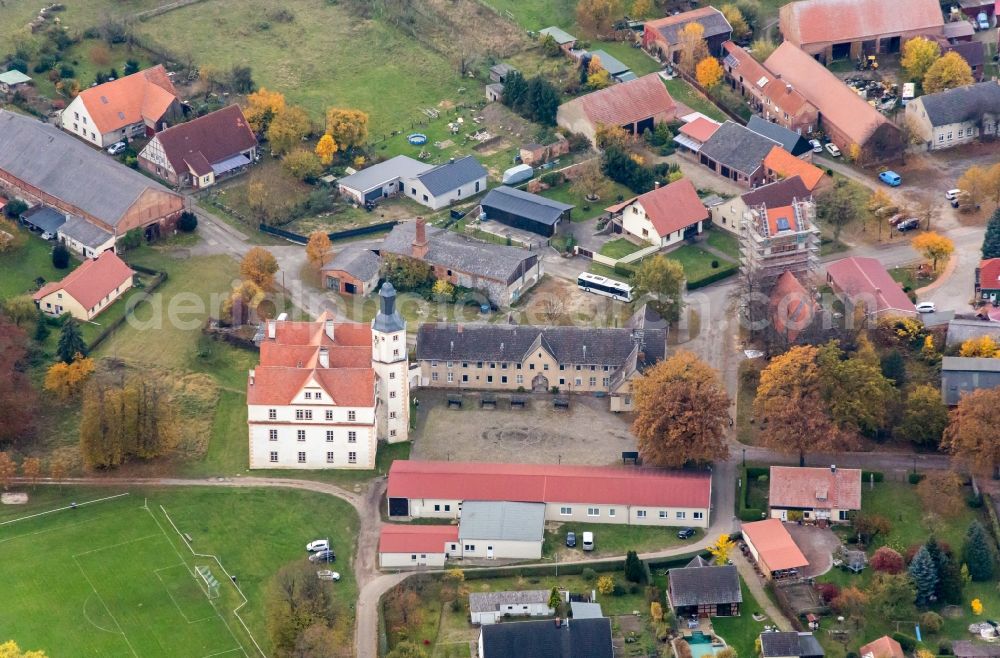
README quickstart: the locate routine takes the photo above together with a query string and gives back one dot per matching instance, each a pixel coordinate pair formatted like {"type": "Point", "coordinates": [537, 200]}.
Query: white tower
{"type": "Point", "coordinates": [391, 363]}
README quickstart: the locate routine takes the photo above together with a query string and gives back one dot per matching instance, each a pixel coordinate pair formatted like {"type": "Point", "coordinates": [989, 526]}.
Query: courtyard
{"type": "Point", "coordinates": [586, 433]}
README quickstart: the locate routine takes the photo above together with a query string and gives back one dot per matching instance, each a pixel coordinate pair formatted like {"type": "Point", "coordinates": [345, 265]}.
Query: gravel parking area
{"type": "Point", "coordinates": [817, 544]}
{"type": "Point", "coordinates": [586, 433]}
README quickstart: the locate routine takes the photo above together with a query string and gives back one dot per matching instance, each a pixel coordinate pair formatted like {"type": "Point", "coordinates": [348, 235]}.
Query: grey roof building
{"type": "Point", "coordinates": [77, 179]}
{"type": "Point", "coordinates": [962, 104]}
{"type": "Point", "coordinates": [962, 374]}
{"type": "Point", "coordinates": [777, 194]}
{"type": "Point", "coordinates": [961, 330]}
{"type": "Point", "coordinates": [490, 601]}
{"type": "Point", "coordinates": [705, 590]}
{"type": "Point", "coordinates": [43, 218]}
{"type": "Point", "coordinates": [524, 210]}
{"type": "Point", "coordinates": [388, 320]}
{"type": "Point", "coordinates": [582, 610]}
{"type": "Point", "coordinates": [967, 649]}
{"type": "Point", "coordinates": [569, 345]}
{"type": "Point", "coordinates": [613, 66]}
{"type": "Point", "coordinates": [452, 175]}
{"type": "Point", "coordinates": [502, 521]}
{"type": "Point", "coordinates": [502, 272]}
{"type": "Point", "coordinates": [789, 140]}
{"type": "Point", "coordinates": [356, 261]}
{"type": "Point", "coordinates": [737, 152]}
{"type": "Point", "coordinates": [790, 645]}
{"type": "Point", "coordinates": [561, 36]}
{"type": "Point", "coordinates": [83, 232]}
{"type": "Point", "coordinates": [575, 638]}
{"type": "Point", "coordinates": [375, 181]}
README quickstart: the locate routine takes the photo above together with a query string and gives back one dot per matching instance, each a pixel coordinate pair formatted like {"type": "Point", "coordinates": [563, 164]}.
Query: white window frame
{"type": "Point", "coordinates": [565, 511]}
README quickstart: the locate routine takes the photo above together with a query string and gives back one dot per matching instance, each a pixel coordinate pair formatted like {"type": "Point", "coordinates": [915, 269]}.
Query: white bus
{"type": "Point", "coordinates": [600, 285]}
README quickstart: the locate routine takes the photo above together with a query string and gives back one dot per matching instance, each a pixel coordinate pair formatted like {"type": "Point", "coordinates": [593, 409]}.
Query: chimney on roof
{"type": "Point", "coordinates": [656, 185]}
{"type": "Point", "coordinates": [788, 88]}
{"type": "Point", "coordinates": [419, 250]}
{"type": "Point", "coordinates": [778, 76]}
{"type": "Point", "coordinates": [451, 160]}
{"type": "Point", "coordinates": [272, 329]}
{"type": "Point", "coordinates": [328, 329]}
{"type": "Point", "coordinates": [324, 357]}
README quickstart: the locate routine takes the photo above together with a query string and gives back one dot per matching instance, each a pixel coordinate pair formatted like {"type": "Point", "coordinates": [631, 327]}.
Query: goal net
{"type": "Point", "coordinates": [209, 584]}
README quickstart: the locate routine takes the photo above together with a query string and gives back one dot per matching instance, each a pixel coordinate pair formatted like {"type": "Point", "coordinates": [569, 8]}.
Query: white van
{"type": "Point", "coordinates": [588, 541]}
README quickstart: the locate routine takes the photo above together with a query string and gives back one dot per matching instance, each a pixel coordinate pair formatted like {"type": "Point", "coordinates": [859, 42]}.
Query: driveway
{"type": "Point", "coordinates": [817, 544]}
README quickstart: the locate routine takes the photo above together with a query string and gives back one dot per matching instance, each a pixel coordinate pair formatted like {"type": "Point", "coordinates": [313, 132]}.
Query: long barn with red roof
{"type": "Point", "coordinates": [588, 494]}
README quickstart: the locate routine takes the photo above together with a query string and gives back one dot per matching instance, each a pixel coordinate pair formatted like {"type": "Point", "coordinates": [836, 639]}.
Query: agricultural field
{"type": "Point", "coordinates": [77, 15]}
{"type": "Point", "coordinates": [323, 56]}
{"type": "Point", "coordinates": [116, 578]}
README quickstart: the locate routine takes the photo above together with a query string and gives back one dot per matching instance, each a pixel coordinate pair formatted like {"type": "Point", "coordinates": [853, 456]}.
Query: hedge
{"type": "Point", "coordinates": [868, 476]}
{"type": "Point", "coordinates": [718, 275]}
{"type": "Point", "coordinates": [576, 568]}
{"type": "Point", "coordinates": [905, 641]}
{"type": "Point", "coordinates": [750, 513]}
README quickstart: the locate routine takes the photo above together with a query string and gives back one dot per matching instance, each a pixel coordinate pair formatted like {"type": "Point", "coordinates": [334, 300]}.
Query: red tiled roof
{"type": "Point", "coordinates": [673, 207]}
{"type": "Point", "coordinates": [833, 21]}
{"type": "Point", "coordinates": [775, 547]}
{"type": "Point", "coordinates": [207, 140]}
{"type": "Point", "coordinates": [792, 308]}
{"type": "Point", "coordinates": [815, 488]}
{"type": "Point", "coordinates": [787, 165]}
{"type": "Point", "coordinates": [291, 359]}
{"type": "Point", "coordinates": [859, 276]}
{"type": "Point", "coordinates": [142, 96]}
{"type": "Point", "coordinates": [989, 273]}
{"type": "Point", "coordinates": [91, 282]}
{"type": "Point", "coordinates": [843, 108]}
{"type": "Point", "coordinates": [754, 73]}
{"type": "Point", "coordinates": [397, 538]}
{"type": "Point", "coordinates": [534, 483]}
{"type": "Point", "coordinates": [627, 102]}
{"type": "Point", "coordinates": [884, 647]}
{"type": "Point", "coordinates": [700, 129]}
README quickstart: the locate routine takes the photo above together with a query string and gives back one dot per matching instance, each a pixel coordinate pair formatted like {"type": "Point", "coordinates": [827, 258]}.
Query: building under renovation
{"type": "Point", "coordinates": [780, 239]}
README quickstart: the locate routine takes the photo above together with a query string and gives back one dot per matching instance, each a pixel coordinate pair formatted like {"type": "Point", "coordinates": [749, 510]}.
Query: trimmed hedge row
{"type": "Point", "coordinates": [718, 275]}
{"type": "Point", "coordinates": [576, 568]}
{"type": "Point", "coordinates": [750, 513]}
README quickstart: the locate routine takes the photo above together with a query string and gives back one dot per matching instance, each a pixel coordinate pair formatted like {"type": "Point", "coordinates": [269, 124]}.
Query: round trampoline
{"type": "Point", "coordinates": [417, 139]}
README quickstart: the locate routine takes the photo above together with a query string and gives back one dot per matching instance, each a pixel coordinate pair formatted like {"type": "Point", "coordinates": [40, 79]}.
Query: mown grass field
{"type": "Point", "coordinates": [612, 539]}
{"type": "Point", "coordinates": [20, 267]}
{"type": "Point", "coordinates": [77, 15]}
{"type": "Point", "coordinates": [325, 56]}
{"type": "Point", "coordinates": [112, 578]}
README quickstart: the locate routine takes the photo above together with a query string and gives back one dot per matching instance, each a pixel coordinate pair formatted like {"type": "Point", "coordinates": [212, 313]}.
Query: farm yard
{"type": "Point", "coordinates": [116, 577]}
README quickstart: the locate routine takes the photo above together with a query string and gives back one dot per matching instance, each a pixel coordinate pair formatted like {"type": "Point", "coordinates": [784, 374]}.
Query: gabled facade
{"type": "Point", "coordinates": [134, 106]}
{"type": "Point", "coordinates": [325, 392]}
{"type": "Point", "coordinates": [988, 281]}
{"type": "Point", "coordinates": [778, 240]}
{"type": "Point", "coordinates": [635, 106]}
{"type": "Point", "coordinates": [664, 216]}
{"type": "Point", "coordinates": [448, 183]}
{"type": "Point", "coordinates": [766, 93]}
{"type": "Point", "coordinates": [957, 116]}
{"type": "Point", "coordinates": [663, 36]}
{"type": "Point", "coordinates": [88, 290]}
{"type": "Point", "coordinates": [824, 495]}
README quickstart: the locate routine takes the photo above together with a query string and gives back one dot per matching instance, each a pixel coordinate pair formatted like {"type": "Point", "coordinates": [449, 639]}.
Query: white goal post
{"type": "Point", "coordinates": [209, 584]}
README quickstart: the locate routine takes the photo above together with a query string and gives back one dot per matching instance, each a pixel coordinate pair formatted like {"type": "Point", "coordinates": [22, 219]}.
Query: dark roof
{"type": "Point", "coordinates": [82, 231]}
{"type": "Point", "coordinates": [207, 140]}
{"type": "Point", "coordinates": [967, 649]}
{"type": "Point", "coordinates": [962, 103]}
{"type": "Point", "coordinates": [44, 218]}
{"type": "Point", "coordinates": [457, 252]}
{"type": "Point", "coordinates": [973, 52]}
{"type": "Point", "coordinates": [388, 320]}
{"type": "Point", "coordinates": [613, 66]}
{"type": "Point", "coordinates": [359, 262]}
{"type": "Point", "coordinates": [710, 18]}
{"type": "Point", "coordinates": [703, 585]}
{"type": "Point", "coordinates": [963, 374]}
{"type": "Point", "coordinates": [778, 194]}
{"type": "Point", "coordinates": [791, 141]}
{"type": "Point", "coordinates": [511, 342]}
{"type": "Point", "coordinates": [577, 638]}
{"type": "Point", "coordinates": [524, 204]}
{"type": "Point", "coordinates": [738, 148]}
{"type": "Point", "coordinates": [447, 177]}
{"type": "Point", "coordinates": [377, 175]}
{"type": "Point", "coordinates": [780, 644]}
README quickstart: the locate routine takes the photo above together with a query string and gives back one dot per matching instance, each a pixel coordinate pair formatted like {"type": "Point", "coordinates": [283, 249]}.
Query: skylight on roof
{"type": "Point", "coordinates": [121, 115]}
{"type": "Point", "coordinates": [783, 225]}
{"type": "Point", "coordinates": [763, 81]}
{"type": "Point", "coordinates": [104, 99]}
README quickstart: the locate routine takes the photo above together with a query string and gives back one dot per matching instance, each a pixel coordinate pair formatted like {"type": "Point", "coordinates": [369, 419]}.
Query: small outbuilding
{"type": "Point", "coordinates": [353, 271]}
{"type": "Point", "coordinates": [43, 219]}
{"type": "Point", "coordinates": [11, 80]}
{"type": "Point", "coordinates": [964, 374]}
{"type": "Point", "coordinates": [502, 530]}
{"type": "Point", "coordinates": [490, 607]}
{"type": "Point", "coordinates": [790, 644]}
{"type": "Point", "coordinates": [704, 591]}
{"type": "Point", "coordinates": [412, 546]}
{"type": "Point", "coordinates": [85, 238]}
{"type": "Point", "coordinates": [526, 211]}
{"type": "Point", "coordinates": [883, 647]}
{"type": "Point", "coordinates": [773, 549]}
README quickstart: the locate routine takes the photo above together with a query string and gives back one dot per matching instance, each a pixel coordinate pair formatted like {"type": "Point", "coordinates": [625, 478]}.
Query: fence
{"type": "Point", "coordinates": [158, 279]}
{"type": "Point", "coordinates": [337, 235]}
{"type": "Point", "coordinates": [614, 262]}
{"type": "Point", "coordinates": [162, 9]}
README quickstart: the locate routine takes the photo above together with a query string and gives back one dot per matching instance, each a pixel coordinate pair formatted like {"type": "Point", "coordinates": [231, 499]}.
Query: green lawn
{"type": "Point", "coordinates": [697, 262]}
{"type": "Point", "coordinates": [538, 14]}
{"type": "Point", "coordinates": [741, 632]}
{"type": "Point", "coordinates": [325, 56]}
{"type": "Point", "coordinates": [584, 209]}
{"type": "Point", "coordinates": [114, 578]}
{"type": "Point", "coordinates": [20, 267]}
{"type": "Point", "coordinates": [85, 70]}
{"type": "Point", "coordinates": [725, 242]}
{"type": "Point", "coordinates": [619, 248]}
{"type": "Point", "coordinates": [898, 502]}
{"type": "Point", "coordinates": [613, 539]}
{"type": "Point", "coordinates": [76, 16]}
{"type": "Point", "coordinates": [634, 58]}
{"type": "Point", "coordinates": [907, 277]}
{"type": "Point", "coordinates": [684, 93]}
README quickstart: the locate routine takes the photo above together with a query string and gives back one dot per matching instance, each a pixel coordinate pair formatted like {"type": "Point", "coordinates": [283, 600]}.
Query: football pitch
{"type": "Point", "coordinates": [114, 578]}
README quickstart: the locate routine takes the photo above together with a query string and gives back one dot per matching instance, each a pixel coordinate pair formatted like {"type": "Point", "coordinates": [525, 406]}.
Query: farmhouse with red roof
{"type": "Point", "coordinates": [663, 216]}
{"type": "Point", "coordinates": [326, 392]}
{"type": "Point", "coordinates": [411, 546]}
{"type": "Point", "coordinates": [864, 282]}
{"type": "Point", "coordinates": [636, 105]}
{"type": "Point", "coordinates": [820, 494]}
{"type": "Point", "coordinates": [87, 290]}
{"type": "Point", "coordinates": [586, 494]}
{"type": "Point", "coordinates": [988, 280]}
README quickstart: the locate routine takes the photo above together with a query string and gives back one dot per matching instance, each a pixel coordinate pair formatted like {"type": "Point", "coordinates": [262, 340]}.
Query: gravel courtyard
{"type": "Point", "coordinates": [586, 433]}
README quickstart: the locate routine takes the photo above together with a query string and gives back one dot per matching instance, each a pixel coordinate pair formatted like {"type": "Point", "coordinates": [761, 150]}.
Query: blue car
{"type": "Point", "coordinates": [890, 178]}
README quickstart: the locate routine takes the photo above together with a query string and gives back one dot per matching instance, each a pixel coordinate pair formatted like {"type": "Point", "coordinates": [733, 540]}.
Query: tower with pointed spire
{"type": "Point", "coordinates": [390, 359]}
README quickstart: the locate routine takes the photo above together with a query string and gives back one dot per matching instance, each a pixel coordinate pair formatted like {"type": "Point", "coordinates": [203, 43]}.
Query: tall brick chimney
{"type": "Point", "coordinates": [420, 240]}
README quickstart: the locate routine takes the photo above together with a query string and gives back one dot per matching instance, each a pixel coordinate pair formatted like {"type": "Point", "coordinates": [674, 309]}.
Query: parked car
{"type": "Point", "coordinates": [571, 539]}
{"type": "Point", "coordinates": [896, 219]}
{"type": "Point", "coordinates": [983, 21]}
{"type": "Point", "coordinates": [891, 178]}
{"type": "Point", "coordinates": [817, 146]}
{"type": "Point", "coordinates": [318, 545]}
{"type": "Point", "coordinates": [908, 225]}
{"type": "Point", "coordinates": [832, 149]}
{"type": "Point", "coordinates": [952, 194]}
{"type": "Point", "coordinates": [685, 533]}
{"type": "Point", "coordinates": [323, 556]}
{"type": "Point", "coordinates": [117, 147]}
{"type": "Point", "coordinates": [926, 307]}
{"type": "Point", "coordinates": [588, 541]}
{"type": "Point", "coordinates": [326, 574]}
